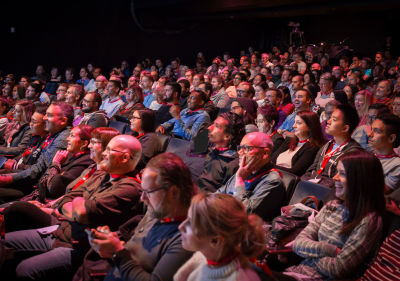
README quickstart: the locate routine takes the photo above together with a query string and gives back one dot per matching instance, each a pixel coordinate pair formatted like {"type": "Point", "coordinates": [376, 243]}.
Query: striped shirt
{"type": "Point", "coordinates": [386, 267]}
{"type": "Point", "coordinates": [319, 242]}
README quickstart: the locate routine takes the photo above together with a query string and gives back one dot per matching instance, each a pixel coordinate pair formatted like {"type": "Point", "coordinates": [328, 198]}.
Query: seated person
{"type": "Point", "coordinates": [274, 98]}
{"type": "Point", "coordinates": [33, 214]}
{"type": "Point", "coordinates": [329, 108]}
{"type": "Point", "coordinates": [111, 200]}
{"type": "Point", "coordinates": [344, 235]}
{"type": "Point", "coordinates": [342, 123]}
{"type": "Point", "coordinates": [58, 118]}
{"type": "Point", "coordinates": [296, 154]}
{"type": "Point", "coordinates": [134, 101]}
{"type": "Point", "coordinates": [256, 183]}
{"type": "Point", "coordinates": [142, 124]}
{"type": "Point", "coordinates": [362, 132]}
{"type": "Point", "coordinates": [302, 101]}
{"type": "Point", "coordinates": [92, 115]}
{"type": "Point", "coordinates": [30, 155]}
{"type": "Point", "coordinates": [170, 97]}
{"type": "Point", "coordinates": [221, 162]}
{"type": "Point", "coordinates": [209, 106]}
{"type": "Point", "coordinates": [113, 102]}
{"type": "Point", "coordinates": [67, 164]}
{"type": "Point", "coordinates": [267, 120]}
{"type": "Point", "coordinates": [385, 134]}
{"type": "Point", "coordinates": [4, 112]}
{"type": "Point", "coordinates": [190, 121]}
{"type": "Point", "coordinates": [245, 108]}
{"type": "Point", "coordinates": [18, 131]}
{"type": "Point", "coordinates": [154, 252]}
{"type": "Point", "coordinates": [223, 237]}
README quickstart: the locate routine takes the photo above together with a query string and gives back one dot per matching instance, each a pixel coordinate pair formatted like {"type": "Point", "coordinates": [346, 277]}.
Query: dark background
{"type": "Point", "coordinates": [73, 33]}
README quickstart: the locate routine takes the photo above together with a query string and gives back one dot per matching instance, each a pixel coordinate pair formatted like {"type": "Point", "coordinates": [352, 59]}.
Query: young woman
{"type": "Point", "coordinates": [267, 120]}
{"type": "Point", "coordinates": [297, 154]}
{"type": "Point", "coordinates": [143, 126]}
{"type": "Point", "coordinates": [362, 100]}
{"type": "Point", "coordinates": [345, 233]}
{"type": "Point", "coordinates": [260, 92]}
{"type": "Point", "coordinates": [30, 215]}
{"type": "Point", "coordinates": [18, 132]}
{"type": "Point", "coordinates": [224, 238]}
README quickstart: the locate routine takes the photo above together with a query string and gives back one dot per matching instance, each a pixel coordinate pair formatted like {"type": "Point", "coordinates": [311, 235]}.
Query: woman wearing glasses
{"type": "Point", "coordinates": [143, 126]}
{"type": "Point", "coordinates": [30, 215]}
{"type": "Point", "coordinates": [134, 98]}
{"type": "Point", "coordinates": [342, 238]}
{"type": "Point", "coordinates": [296, 154]}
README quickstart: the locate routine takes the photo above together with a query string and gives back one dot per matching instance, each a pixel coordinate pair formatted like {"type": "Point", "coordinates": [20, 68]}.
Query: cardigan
{"type": "Point", "coordinates": [303, 158]}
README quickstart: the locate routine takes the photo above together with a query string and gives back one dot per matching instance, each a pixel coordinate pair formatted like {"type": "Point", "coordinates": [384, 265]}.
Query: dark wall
{"type": "Point", "coordinates": [103, 32]}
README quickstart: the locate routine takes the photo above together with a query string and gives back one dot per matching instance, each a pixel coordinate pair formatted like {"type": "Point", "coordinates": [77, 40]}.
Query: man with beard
{"type": "Point", "coordinates": [111, 200]}
{"type": "Point", "coordinates": [170, 98]}
{"type": "Point", "coordinates": [154, 252]}
{"type": "Point", "coordinates": [91, 114]}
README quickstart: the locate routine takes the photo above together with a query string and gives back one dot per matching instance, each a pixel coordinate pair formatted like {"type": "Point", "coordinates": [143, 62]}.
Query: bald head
{"type": "Point", "coordinates": [258, 139]}
{"type": "Point", "coordinates": [122, 154]}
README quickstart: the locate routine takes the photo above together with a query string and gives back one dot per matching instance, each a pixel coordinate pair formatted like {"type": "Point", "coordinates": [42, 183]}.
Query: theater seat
{"type": "Point", "coordinates": [289, 180]}
{"type": "Point", "coordinates": [164, 141]}
{"type": "Point", "coordinates": [195, 162]}
{"type": "Point", "coordinates": [122, 127]}
{"type": "Point", "coordinates": [307, 188]}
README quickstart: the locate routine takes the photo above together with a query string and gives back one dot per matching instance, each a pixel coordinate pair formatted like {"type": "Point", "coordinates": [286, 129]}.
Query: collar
{"type": "Point", "coordinates": [223, 261]}
{"type": "Point", "coordinates": [193, 111]}
{"type": "Point", "coordinates": [80, 153]}
{"type": "Point", "coordinates": [304, 141]}
{"type": "Point", "coordinates": [140, 135]}
{"type": "Point", "coordinates": [222, 148]}
{"type": "Point", "coordinates": [389, 156]}
{"type": "Point", "coordinates": [173, 219]}
{"type": "Point", "coordinates": [114, 100]}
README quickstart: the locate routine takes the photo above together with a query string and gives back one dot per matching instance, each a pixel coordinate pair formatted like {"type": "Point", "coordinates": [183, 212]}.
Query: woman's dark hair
{"type": "Point", "coordinates": [312, 76]}
{"type": "Point", "coordinates": [263, 86]}
{"type": "Point", "coordinates": [85, 133]}
{"type": "Point", "coordinates": [235, 128]}
{"type": "Point", "coordinates": [28, 108]}
{"type": "Point", "coordinates": [20, 91]}
{"type": "Point", "coordinates": [287, 98]}
{"type": "Point", "coordinates": [104, 134]}
{"type": "Point", "coordinates": [137, 90]}
{"type": "Point", "coordinates": [341, 97]}
{"type": "Point", "coordinates": [262, 76]}
{"type": "Point", "coordinates": [269, 113]}
{"type": "Point", "coordinates": [147, 120]}
{"type": "Point", "coordinates": [314, 128]}
{"type": "Point", "coordinates": [364, 192]}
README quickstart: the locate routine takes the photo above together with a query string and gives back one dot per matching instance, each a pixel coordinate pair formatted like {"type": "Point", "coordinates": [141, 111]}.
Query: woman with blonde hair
{"type": "Point", "coordinates": [224, 239]}
{"type": "Point", "coordinates": [362, 100]}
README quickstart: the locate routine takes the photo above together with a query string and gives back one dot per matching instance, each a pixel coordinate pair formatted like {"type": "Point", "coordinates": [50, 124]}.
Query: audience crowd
{"type": "Point", "coordinates": [89, 189]}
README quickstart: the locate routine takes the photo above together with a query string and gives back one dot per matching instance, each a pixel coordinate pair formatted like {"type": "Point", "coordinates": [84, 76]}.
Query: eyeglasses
{"type": "Point", "coordinates": [247, 148]}
{"type": "Point", "coordinates": [107, 150]}
{"type": "Point", "coordinates": [147, 193]}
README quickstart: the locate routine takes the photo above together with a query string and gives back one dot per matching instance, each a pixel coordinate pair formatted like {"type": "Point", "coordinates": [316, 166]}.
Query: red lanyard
{"type": "Point", "coordinates": [47, 142]}
{"type": "Point", "coordinates": [328, 156]}
{"type": "Point", "coordinates": [263, 174]}
{"type": "Point", "coordinates": [80, 153]}
{"type": "Point", "coordinates": [126, 108]}
{"type": "Point", "coordinates": [223, 261]}
{"type": "Point", "coordinates": [88, 175]}
{"type": "Point", "coordinates": [271, 135]}
{"type": "Point", "coordinates": [222, 148]}
{"type": "Point", "coordinates": [386, 156]}
{"type": "Point", "coordinates": [303, 141]}
{"type": "Point", "coordinates": [115, 176]}
{"type": "Point", "coordinates": [173, 219]}
{"type": "Point", "coordinates": [192, 111]}
{"type": "Point", "coordinates": [112, 101]}
{"type": "Point", "coordinates": [139, 136]}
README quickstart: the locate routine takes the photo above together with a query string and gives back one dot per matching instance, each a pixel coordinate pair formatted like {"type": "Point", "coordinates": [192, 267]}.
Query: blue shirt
{"type": "Point", "coordinates": [189, 124]}
{"type": "Point", "coordinates": [287, 125]}
{"type": "Point", "coordinates": [148, 98]}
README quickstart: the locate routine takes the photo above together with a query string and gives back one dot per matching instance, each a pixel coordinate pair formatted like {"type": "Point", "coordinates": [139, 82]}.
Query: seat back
{"type": "Point", "coordinates": [289, 180]}
{"type": "Point", "coordinates": [120, 126]}
{"type": "Point", "coordinates": [182, 148]}
{"type": "Point", "coordinates": [164, 141]}
{"type": "Point", "coordinates": [307, 188]}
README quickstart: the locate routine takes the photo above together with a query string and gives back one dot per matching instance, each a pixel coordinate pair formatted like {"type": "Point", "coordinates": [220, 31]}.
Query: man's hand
{"type": "Point", "coordinates": [245, 169]}
{"type": "Point", "coordinates": [9, 164]}
{"type": "Point", "coordinates": [79, 213]}
{"type": "Point", "coordinates": [160, 130]}
{"type": "Point", "coordinates": [105, 243]}
{"type": "Point", "coordinates": [60, 157]}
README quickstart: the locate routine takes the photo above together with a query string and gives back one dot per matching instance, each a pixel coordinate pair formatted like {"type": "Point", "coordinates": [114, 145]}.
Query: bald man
{"type": "Point", "coordinates": [111, 200]}
{"type": "Point", "coordinates": [256, 183]}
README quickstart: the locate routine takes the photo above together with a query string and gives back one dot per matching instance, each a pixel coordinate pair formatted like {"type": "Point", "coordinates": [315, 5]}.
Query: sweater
{"type": "Point", "coordinates": [319, 241]}
{"type": "Point", "coordinates": [196, 269]}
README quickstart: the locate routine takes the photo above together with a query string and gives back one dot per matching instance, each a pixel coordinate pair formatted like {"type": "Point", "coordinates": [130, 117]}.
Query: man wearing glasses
{"type": "Point", "coordinates": [110, 200]}
{"type": "Point", "coordinates": [92, 115]}
{"type": "Point", "coordinates": [256, 183]}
